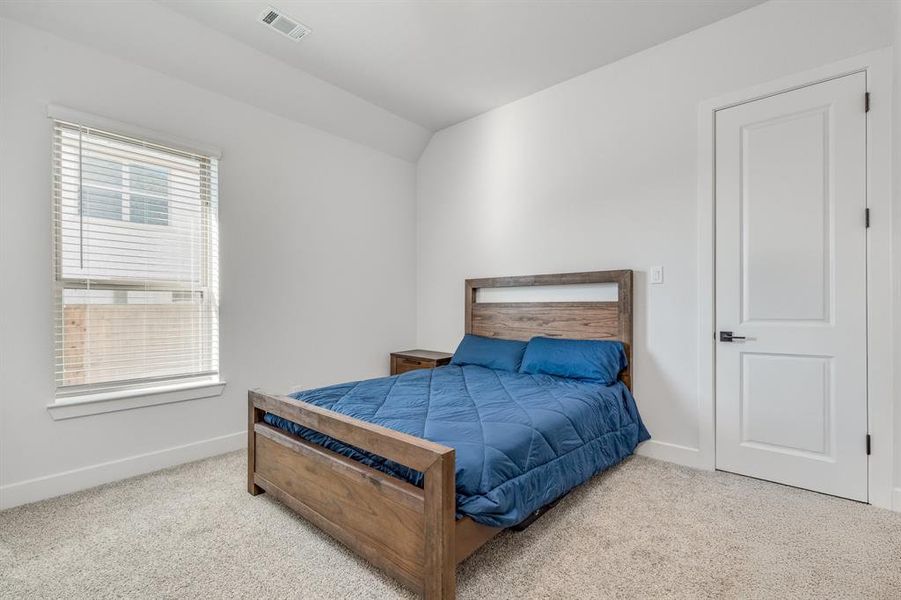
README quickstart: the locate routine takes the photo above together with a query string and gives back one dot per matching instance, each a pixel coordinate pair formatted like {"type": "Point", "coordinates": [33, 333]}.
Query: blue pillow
{"type": "Point", "coordinates": [600, 360]}
{"type": "Point", "coordinates": [492, 353]}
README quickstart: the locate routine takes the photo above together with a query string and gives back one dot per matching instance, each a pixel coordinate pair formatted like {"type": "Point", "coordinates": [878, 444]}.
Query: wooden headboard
{"type": "Point", "coordinates": [593, 320]}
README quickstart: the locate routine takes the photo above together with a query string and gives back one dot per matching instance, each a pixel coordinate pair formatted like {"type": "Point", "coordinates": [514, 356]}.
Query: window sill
{"type": "Point", "coordinates": [105, 402]}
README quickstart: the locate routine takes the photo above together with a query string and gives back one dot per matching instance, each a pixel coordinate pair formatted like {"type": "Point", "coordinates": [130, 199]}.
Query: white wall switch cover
{"type": "Point", "coordinates": [656, 275]}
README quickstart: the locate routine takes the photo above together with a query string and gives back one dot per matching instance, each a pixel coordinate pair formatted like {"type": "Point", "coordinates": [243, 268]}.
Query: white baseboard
{"type": "Point", "coordinates": [682, 455]}
{"type": "Point", "coordinates": [49, 486]}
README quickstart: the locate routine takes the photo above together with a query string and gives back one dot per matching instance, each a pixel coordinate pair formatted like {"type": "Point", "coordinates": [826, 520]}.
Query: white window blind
{"type": "Point", "coordinates": [136, 262]}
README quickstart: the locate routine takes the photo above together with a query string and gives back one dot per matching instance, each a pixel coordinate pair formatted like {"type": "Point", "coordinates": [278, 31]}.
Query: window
{"type": "Point", "coordinates": [135, 262]}
{"type": "Point", "coordinates": [123, 190]}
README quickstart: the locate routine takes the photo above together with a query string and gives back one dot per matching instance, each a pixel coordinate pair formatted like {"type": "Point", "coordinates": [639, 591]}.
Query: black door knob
{"type": "Point", "coordinates": [726, 336]}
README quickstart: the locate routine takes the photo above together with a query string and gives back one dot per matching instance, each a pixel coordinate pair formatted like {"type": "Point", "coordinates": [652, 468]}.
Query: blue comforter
{"type": "Point", "coordinates": [522, 441]}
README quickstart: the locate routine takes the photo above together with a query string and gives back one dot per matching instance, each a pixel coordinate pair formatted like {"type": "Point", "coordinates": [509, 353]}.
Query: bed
{"type": "Point", "coordinates": [415, 472]}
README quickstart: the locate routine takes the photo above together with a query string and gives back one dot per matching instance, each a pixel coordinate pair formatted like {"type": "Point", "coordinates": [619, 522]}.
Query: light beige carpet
{"type": "Point", "coordinates": [645, 529]}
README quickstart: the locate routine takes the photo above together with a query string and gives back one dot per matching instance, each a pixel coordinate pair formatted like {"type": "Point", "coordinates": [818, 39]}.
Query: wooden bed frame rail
{"type": "Point", "coordinates": [409, 532]}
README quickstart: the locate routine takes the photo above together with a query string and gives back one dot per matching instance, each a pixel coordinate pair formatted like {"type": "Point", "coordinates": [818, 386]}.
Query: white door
{"type": "Point", "coordinates": [791, 387]}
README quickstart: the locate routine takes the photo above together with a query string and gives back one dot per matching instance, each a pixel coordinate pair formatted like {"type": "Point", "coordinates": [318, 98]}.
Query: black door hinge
{"type": "Point", "coordinates": [869, 446]}
{"type": "Point", "coordinates": [867, 217]}
{"type": "Point", "coordinates": [866, 102]}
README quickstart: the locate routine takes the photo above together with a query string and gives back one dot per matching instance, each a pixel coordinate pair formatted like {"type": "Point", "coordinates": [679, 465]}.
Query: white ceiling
{"type": "Point", "coordinates": [383, 73]}
{"type": "Point", "coordinates": [440, 62]}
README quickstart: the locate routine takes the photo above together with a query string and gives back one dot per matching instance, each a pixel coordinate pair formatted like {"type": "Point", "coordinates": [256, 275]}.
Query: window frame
{"type": "Point", "coordinates": [122, 394]}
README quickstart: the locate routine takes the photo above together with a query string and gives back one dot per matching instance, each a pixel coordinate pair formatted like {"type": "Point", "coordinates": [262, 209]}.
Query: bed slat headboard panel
{"type": "Point", "coordinates": [576, 320]}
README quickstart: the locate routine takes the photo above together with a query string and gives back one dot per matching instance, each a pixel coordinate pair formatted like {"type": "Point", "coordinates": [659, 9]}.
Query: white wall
{"type": "Point", "coordinates": [600, 172]}
{"type": "Point", "coordinates": [317, 262]}
{"type": "Point", "coordinates": [896, 243]}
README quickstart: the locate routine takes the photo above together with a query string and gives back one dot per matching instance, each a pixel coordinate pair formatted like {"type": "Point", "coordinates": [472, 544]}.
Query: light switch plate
{"type": "Point", "coordinates": [656, 275]}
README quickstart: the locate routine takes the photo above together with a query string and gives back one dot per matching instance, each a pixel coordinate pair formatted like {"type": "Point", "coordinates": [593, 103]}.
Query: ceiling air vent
{"type": "Point", "coordinates": [284, 24]}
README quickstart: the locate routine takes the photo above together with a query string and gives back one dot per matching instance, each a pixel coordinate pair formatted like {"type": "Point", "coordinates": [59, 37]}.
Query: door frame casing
{"type": "Point", "coordinates": [880, 410]}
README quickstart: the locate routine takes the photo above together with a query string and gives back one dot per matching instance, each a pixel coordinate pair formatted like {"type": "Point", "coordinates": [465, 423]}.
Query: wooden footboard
{"type": "Point", "coordinates": [409, 532]}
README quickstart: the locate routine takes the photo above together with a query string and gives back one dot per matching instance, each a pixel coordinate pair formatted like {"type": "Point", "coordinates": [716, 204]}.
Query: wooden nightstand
{"type": "Point", "coordinates": [410, 360]}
